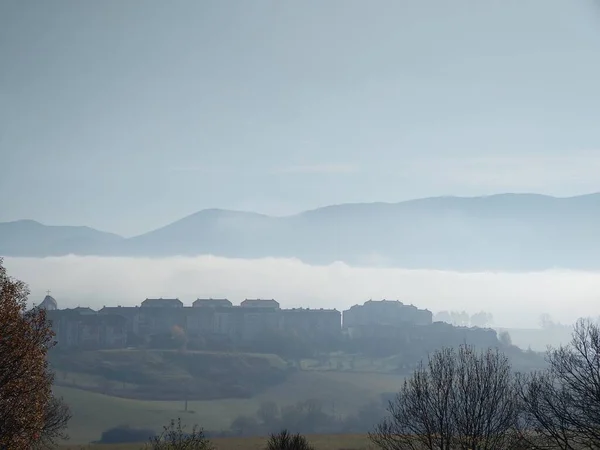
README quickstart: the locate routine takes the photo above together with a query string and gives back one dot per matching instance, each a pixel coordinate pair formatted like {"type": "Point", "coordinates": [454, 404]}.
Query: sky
{"type": "Point", "coordinates": [126, 116]}
{"type": "Point", "coordinates": [516, 300]}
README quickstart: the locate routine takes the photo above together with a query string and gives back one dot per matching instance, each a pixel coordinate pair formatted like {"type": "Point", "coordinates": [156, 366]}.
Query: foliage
{"type": "Point", "coordinates": [562, 404]}
{"type": "Point", "coordinates": [284, 440]}
{"type": "Point", "coordinates": [464, 400]}
{"type": "Point", "coordinates": [25, 379]}
{"type": "Point", "coordinates": [174, 437]}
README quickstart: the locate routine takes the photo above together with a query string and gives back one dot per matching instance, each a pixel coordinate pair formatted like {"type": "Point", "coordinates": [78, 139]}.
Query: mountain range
{"type": "Point", "coordinates": [514, 232]}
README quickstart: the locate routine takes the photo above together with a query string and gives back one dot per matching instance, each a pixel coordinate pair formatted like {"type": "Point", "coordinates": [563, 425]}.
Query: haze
{"type": "Point", "coordinates": [516, 300]}
{"type": "Point", "coordinates": [310, 154]}
{"type": "Point", "coordinates": [125, 116]}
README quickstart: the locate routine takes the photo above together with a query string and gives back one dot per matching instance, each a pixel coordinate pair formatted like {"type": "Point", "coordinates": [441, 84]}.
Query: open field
{"type": "Point", "coordinates": [342, 392]}
{"type": "Point", "coordinates": [320, 442]}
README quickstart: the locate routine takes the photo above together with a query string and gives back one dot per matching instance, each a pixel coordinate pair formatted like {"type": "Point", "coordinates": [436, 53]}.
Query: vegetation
{"type": "Point", "coordinates": [174, 437]}
{"type": "Point", "coordinates": [474, 401]}
{"type": "Point", "coordinates": [318, 442]}
{"type": "Point", "coordinates": [562, 404]}
{"type": "Point", "coordinates": [481, 319]}
{"type": "Point", "coordinates": [469, 398]}
{"type": "Point", "coordinates": [285, 440]}
{"type": "Point", "coordinates": [342, 394]}
{"type": "Point", "coordinates": [56, 419]}
{"type": "Point", "coordinates": [29, 415]}
{"type": "Point", "coordinates": [458, 400]}
{"type": "Point", "coordinates": [168, 374]}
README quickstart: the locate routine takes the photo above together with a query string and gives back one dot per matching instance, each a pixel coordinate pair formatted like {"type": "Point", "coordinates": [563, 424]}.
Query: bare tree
{"type": "Point", "coordinates": [56, 419]}
{"type": "Point", "coordinates": [485, 409]}
{"type": "Point", "coordinates": [458, 400]}
{"type": "Point", "coordinates": [25, 379]}
{"type": "Point", "coordinates": [562, 404]}
{"type": "Point", "coordinates": [288, 441]}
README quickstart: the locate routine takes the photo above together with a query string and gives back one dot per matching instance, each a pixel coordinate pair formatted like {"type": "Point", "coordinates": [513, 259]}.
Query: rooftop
{"type": "Point", "coordinates": [257, 302]}
{"type": "Point", "coordinates": [212, 302]}
{"type": "Point", "coordinates": [162, 301]}
{"type": "Point", "coordinates": [48, 303]}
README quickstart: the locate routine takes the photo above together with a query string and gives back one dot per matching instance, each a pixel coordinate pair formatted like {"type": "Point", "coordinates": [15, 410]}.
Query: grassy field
{"type": "Point", "coordinates": [161, 374]}
{"type": "Point", "coordinates": [320, 442]}
{"type": "Point", "coordinates": [342, 392]}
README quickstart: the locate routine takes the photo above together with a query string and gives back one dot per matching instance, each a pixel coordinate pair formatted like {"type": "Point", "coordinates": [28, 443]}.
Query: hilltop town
{"type": "Point", "coordinates": [221, 320]}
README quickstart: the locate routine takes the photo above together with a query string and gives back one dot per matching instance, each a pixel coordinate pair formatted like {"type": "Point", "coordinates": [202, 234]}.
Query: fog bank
{"type": "Point", "coordinates": [515, 299]}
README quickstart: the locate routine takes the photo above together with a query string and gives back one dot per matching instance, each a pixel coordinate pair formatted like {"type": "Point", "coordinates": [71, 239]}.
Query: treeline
{"type": "Point", "coordinates": [464, 399]}
{"type": "Point", "coordinates": [175, 437]}
{"type": "Point", "coordinates": [306, 417]}
{"type": "Point", "coordinates": [480, 319]}
{"type": "Point", "coordinates": [379, 341]}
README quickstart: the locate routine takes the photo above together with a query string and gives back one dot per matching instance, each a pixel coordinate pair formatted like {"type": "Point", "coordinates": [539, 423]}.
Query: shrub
{"type": "Point", "coordinates": [174, 437]}
{"type": "Point", "coordinates": [284, 440]}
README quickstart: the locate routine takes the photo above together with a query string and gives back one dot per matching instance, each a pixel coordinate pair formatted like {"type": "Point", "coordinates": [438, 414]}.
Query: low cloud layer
{"type": "Point", "coordinates": [514, 299]}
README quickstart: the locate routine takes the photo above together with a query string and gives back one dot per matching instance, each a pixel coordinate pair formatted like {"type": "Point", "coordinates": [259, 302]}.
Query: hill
{"type": "Point", "coordinates": [169, 374]}
{"type": "Point", "coordinates": [31, 238]}
{"type": "Point", "coordinates": [499, 232]}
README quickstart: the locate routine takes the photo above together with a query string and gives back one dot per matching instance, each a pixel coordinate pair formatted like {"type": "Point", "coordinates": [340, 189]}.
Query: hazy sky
{"type": "Point", "coordinates": [127, 115]}
{"type": "Point", "coordinates": [515, 299]}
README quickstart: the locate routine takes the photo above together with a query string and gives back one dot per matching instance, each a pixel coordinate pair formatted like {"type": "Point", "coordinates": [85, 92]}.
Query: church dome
{"type": "Point", "coordinates": [49, 303]}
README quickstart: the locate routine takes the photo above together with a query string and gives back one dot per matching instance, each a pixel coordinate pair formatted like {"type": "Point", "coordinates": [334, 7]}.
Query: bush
{"type": "Point", "coordinates": [284, 440]}
{"type": "Point", "coordinates": [125, 434]}
{"type": "Point", "coordinates": [174, 437]}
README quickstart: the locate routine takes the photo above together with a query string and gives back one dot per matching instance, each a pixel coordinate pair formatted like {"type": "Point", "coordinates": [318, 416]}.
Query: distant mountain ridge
{"type": "Point", "coordinates": [500, 232]}
{"type": "Point", "coordinates": [31, 238]}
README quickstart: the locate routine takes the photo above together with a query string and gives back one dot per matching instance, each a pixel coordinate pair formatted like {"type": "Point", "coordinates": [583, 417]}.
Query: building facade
{"type": "Point", "coordinates": [116, 326]}
{"type": "Point", "coordinates": [385, 313]}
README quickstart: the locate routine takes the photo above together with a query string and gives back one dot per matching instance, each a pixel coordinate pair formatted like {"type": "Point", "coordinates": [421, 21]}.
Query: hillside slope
{"type": "Point", "coordinates": [499, 232]}
{"type": "Point", "coordinates": [168, 374]}
{"type": "Point", "coordinates": [31, 238]}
